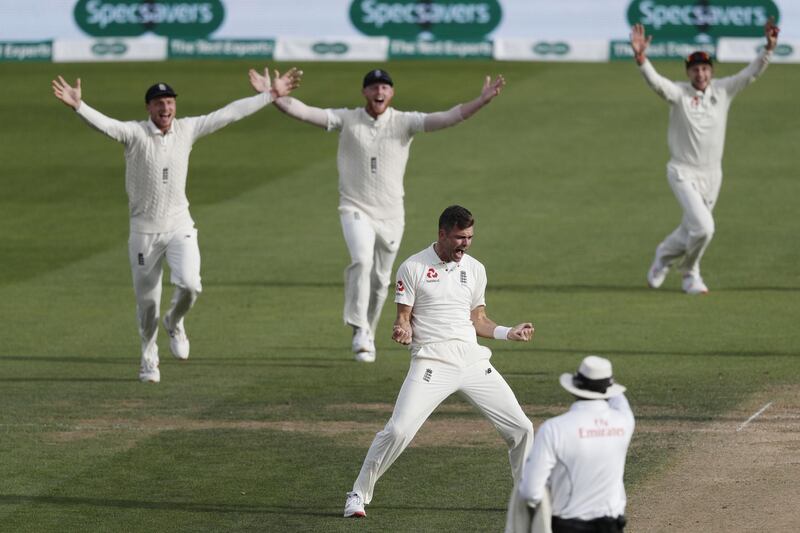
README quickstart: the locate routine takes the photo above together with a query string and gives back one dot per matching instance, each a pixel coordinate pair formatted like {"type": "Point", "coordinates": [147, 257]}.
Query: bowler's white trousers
{"type": "Point", "coordinates": [428, 383]}
{"type": "Point", "coordinates": [696, 190]}
{"type": "Point", "coordinates": [146, 252]}
{"type": "Point", "coordinates": [373, 247]}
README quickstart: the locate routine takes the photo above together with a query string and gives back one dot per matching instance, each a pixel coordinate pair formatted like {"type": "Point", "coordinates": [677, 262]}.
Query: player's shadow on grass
{"type": "Point", "coordinates": [614, 351]}
{"type": "Point", "coordinates": [524, 287]}
{"type": "Point", "coordinates": [65, 380]}
{"type": "Point", "coordinates": [74, 501]}
{"type": "Point", "coordinates": [66, 359]}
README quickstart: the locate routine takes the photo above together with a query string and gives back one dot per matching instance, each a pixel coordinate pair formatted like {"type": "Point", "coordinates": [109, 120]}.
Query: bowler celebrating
{"type": "Point", "coordinates": [156, 164]}
{"type": "Point", "coordinates": [440, 313]}
{"type": "Point", "coordinates": [373, 150]}
{"type": "Point", "coordinates": [697, 119]}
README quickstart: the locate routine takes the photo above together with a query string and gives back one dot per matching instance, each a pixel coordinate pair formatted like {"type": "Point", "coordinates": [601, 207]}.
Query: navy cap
{"type": "Point", "coordinates": [159, 89]}
{"type": "Point", "coordinates": [377, 76]}
{"type": "Point", "coordinates": [696, 58]}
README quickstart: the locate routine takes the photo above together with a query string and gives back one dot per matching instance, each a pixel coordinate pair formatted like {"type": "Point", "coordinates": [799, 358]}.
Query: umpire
{"type": "Point", "coordinates": [580, 455]}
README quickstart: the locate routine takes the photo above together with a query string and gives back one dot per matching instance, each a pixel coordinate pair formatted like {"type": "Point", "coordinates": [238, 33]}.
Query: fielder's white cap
{"type": "Point", "coordinates": [593, 380]}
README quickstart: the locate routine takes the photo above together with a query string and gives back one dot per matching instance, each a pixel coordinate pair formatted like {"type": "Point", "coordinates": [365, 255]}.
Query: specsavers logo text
{"type": "Point", "coordinates": [441, 19]}
{"type": "Point", "coordinates": [167, 18]}
{"type": "Point", "coordinates": [686, 19]}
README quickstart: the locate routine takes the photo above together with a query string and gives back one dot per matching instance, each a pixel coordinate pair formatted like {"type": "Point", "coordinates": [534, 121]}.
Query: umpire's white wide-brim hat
{"type": "Point", "coordinates": [594, 380]}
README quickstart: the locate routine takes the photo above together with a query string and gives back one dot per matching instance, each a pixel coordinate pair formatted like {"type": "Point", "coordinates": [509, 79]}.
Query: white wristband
{"type": "Point", "coordinates": [501, 333]}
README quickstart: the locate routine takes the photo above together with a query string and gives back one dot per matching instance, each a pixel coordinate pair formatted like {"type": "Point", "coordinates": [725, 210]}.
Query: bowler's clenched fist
{"type": "Point", "coordinates": [401, 334]}
{"type": "Point", "coordinates": [521, 332]}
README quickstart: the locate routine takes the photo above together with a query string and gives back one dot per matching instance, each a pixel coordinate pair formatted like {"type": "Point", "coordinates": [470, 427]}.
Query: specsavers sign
{"type": "Point", "coordinates": [702, 19]}
{"type": "Point", "coordinates": [439, 19]}
{"type": "Point", "coordinates": [132, 18]}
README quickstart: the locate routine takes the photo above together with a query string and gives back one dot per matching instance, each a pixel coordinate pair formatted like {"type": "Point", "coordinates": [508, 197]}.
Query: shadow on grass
{"type": "Point", "coordinates": [18, 499]}
{"type": "Point", "coordinates": [699, 353]}
{"type": "Point", "coordinates": [68, 359]}
{"type": "Point", "coordinates": [66, 380]}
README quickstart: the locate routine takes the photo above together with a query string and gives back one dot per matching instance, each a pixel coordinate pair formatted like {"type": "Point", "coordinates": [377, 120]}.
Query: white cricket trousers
{"type": "Point", "coordinates": [373, 247]}
{"type": "Point", "coordinates": [428, 383]}
{"type": "Point", "coordinates": [696, 190]}
{"type": "Point", "coordinates": [147, 252]}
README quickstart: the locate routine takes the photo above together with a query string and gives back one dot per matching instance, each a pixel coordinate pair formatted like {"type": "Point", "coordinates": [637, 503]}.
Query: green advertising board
{"type": "Point", "coordinates": [131, 18]}
{"type": "Point", "coordinates": [458, 20]}
{"type": "Point", "coordinates": [423, 49]}
{"type": "Point", "coordinates": [221, 48]}
{"type": "Point", "coordinates": [687, 20]}
{"type": "Point", "coordinates": [26, 51]}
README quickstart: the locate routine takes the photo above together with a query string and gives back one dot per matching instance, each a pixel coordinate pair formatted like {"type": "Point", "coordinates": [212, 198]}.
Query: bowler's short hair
{"type": "Point", "coordinates": [456, 216]}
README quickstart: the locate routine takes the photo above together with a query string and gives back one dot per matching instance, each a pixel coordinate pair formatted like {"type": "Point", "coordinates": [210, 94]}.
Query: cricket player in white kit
{"type": "Point", "coordinates": [440, 313]}
{"type": "Point", "coordinates": [579, 457]}
{"type": "Point", "coordinates": [156, 165]}
{"type": "Point", "coordinates": [374, 144]}
{"type": "Point", "coordinates": [696, 137]}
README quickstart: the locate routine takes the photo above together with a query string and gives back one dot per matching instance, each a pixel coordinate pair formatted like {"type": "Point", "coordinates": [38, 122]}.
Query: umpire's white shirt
{"type": "Point", "coordinates": [697, 119]}
{"type": "Point", "coordinates": [443, 296]}
{"type": "Point", "coordinates": [156, 163]}
{"type": "Point", "coordinates": [372, 158]}
{"type": "Point", "coordinates": [580, 455]}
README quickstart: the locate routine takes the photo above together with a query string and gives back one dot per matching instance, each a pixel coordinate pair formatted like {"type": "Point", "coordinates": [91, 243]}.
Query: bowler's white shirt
{"type": "Point", "coordinates": [697, 119]}
{"type": "Point", "coordinates": [442, 296]}
{"type": "Point", "coordinates": [580, 455]}
{"type": "Point", "coordinates": [156, 163]}
{"type": "Point", "coordinates": [372, 158]}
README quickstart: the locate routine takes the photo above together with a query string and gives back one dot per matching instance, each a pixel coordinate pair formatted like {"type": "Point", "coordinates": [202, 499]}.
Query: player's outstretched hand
{"type": "Point", "coordinates": [771, 31]}
{"type": "Point", "coordinates": [492, 88]}
{"type": "Point", "coordinates": [280, 86]}
{"type": "Point", "coordinates": [71, 96]}
{"type": "Point", "coordinates": [639, 42]}
{"type": "Point", "coordinates": [283, 85]}
{"type": "Point", "coordinates": [401, 334]}
{"type": "Point", "coordinates": [521, 332]}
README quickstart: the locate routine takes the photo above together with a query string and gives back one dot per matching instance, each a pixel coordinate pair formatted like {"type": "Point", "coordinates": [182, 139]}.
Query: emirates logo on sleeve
{"type": "Point", "coordinates": [400, 286]}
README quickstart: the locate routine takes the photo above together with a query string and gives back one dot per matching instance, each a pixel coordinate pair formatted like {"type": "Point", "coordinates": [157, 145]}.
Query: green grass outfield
{"type": "Point", "coordinates": [565, 174]}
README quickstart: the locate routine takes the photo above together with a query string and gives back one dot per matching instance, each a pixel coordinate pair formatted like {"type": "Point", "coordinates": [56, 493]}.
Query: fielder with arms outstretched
{"type": "Point", "coordinates": [156, 164]}
{"type": "Point", "coordinates": [440, 313]}
{"type": "Point", "coordinates": [697, 119]}
{"type": "Point", "coordinates": [373, 150]}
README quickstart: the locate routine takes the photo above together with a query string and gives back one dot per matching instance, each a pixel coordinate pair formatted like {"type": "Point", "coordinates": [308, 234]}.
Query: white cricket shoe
{"type": "Point", "coordinates": [694, 285]}
{"type": "Point", "coordinates": [656, 274]}
{"type": "Point", "coordinates": [364, 357]}
{"type": "Point", "coordinates": [354, 506]}
{"type": "Point", "coordinates": [148, 370]}
{"type": "Point", "coordinates": [367, 356]}
{"type": "Point", "coordinates": [363, 346]}
{"type": "Point", "coordinates": [178, 340]}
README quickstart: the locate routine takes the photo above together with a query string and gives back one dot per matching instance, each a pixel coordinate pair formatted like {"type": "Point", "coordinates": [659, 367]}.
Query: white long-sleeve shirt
{"type": "Point", "coordinates": [156, 163]}
{"type": "Point", "coordinates": [580, 455]}
{"type": "Point", "coordinates": [372, 158]}
{"type": "Point", "coordinates": [697, 119]}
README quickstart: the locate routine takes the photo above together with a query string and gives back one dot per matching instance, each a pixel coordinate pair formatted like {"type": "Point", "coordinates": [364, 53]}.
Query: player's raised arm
{"type": "Point", "coordinates": [296, 109]}
{"type": "Point", "coordinates": [71, 96]}
{"type": "Point", "coordinates": [461, 112]}
{"type": "Point", "coordinates": [771, 32]}
{"type": "Point", "coordinates": [639, 43]}
{"type": "Point", "coordinates": [487, 328]}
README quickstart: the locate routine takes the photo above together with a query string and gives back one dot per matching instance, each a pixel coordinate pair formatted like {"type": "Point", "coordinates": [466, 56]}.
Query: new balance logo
{"type": "Point", "coordinates": [141, 259]}
{"type": "Point", "coordinates": [428, 374]}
